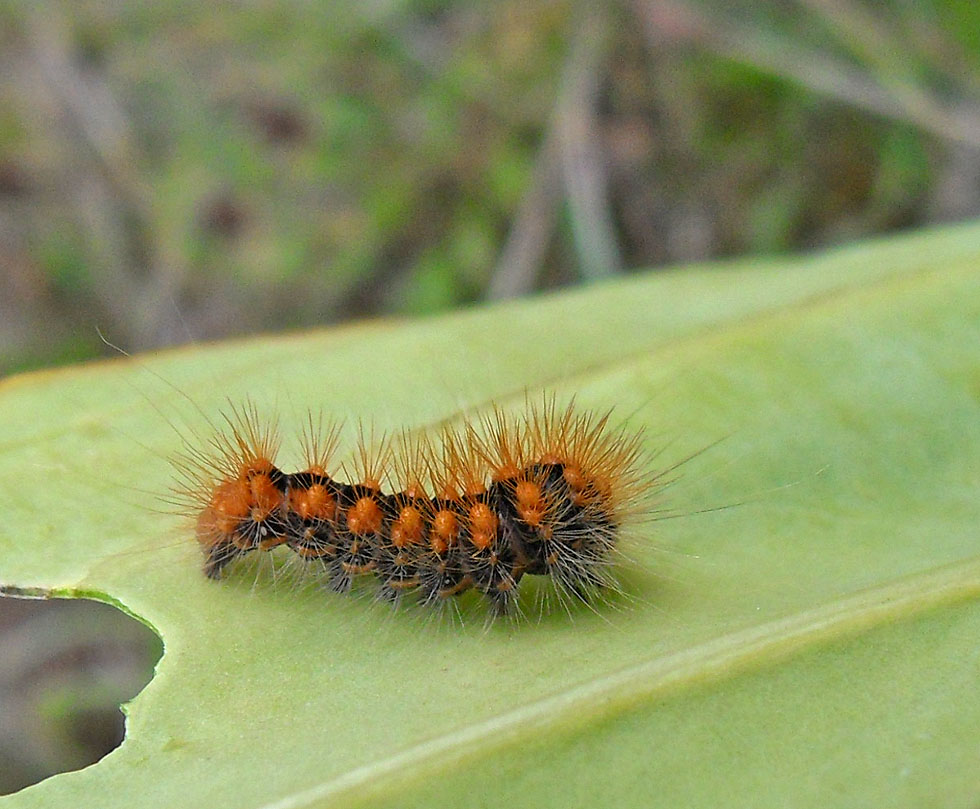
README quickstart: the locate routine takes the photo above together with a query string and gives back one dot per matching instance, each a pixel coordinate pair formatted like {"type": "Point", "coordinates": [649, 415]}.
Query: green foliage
{"type": "Point", "coordinates": [813, 646]}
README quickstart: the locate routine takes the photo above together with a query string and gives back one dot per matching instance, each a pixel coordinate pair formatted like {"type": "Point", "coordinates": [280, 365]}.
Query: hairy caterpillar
{"type": "Point", "coordinates": [544, 493]}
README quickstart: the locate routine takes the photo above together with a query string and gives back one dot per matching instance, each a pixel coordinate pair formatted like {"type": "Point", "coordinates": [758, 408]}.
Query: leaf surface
{"type": "Point", "coordinates": [808, 639]}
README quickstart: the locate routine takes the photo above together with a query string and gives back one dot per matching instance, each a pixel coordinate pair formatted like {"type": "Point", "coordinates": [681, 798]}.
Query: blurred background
{"type": "Point", "coordinates": [175, 171]}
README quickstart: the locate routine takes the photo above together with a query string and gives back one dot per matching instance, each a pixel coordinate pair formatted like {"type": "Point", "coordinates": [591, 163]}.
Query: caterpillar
{"type": "Point", "coordinates": [548, 492]}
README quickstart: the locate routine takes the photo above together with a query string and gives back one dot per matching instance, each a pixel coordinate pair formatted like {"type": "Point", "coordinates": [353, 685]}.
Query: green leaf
{"type": "Point", "coordinates": [815, 645]}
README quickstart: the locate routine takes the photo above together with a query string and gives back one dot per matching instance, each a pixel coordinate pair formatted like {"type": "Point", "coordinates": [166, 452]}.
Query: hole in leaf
{"type": "Point", "coordinates": [67, 666]}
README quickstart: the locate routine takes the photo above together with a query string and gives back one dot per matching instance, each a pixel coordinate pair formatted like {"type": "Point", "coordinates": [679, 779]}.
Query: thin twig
{"type": "Point", "coordinates": [569, 161]}
{"type": "Point", "coordinates": [526, 245]}
{"type": "Point", "coordinates": [809, 69]}
{"type": "Point", "coordinates": [873, 42]}
{"type": "Point", "coordinates": [583, 164]}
